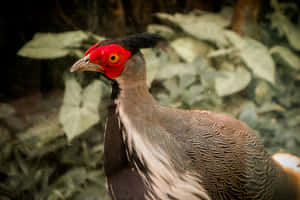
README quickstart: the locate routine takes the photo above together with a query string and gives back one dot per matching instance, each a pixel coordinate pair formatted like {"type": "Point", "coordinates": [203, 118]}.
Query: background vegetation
{"type": "Point", "coordinates": [52, 122]}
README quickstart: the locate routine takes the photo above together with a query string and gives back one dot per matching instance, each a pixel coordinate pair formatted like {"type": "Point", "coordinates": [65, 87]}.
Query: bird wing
{"type": "Point", "coordinates": [226, 153]}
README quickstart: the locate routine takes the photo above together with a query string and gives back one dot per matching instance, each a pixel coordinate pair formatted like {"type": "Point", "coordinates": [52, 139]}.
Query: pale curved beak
{"type": "Point", "coordinates": [84, 65]}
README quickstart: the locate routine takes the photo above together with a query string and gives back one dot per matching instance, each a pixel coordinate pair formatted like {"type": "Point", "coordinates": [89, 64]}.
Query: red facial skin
{"type": "Point", "coordinates": [103, 56]}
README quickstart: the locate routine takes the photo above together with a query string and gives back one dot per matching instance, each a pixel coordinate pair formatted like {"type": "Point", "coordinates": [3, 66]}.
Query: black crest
{"type": "Point", "coordinates": [138, 41]}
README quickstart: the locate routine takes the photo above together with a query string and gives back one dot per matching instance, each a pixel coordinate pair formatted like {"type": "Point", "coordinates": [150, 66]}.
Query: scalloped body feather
{"type": "Point", "coordinates": [155, 152]}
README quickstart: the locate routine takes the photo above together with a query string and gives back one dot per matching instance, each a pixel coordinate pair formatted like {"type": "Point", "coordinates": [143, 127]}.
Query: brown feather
{"type": "Point", "coordinates": [152, 152]}
{"type": "Point", "coordinates": [214, 155]}
{"type": "Point", "coordinates": [122, 179]}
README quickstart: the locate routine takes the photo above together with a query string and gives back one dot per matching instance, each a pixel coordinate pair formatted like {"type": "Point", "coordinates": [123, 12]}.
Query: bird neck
{"type": "Point", "coordinates": [134, 92]}
{"type": "Point", "coordinates": [125, 84]}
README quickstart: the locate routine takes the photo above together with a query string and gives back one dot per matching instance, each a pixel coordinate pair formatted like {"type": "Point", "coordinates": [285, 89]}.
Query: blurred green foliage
{"type": "Point", "coordinates": [206, 66]}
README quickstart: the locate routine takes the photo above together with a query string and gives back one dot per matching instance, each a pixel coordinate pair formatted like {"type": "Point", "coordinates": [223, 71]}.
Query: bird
{"type": "Point", "coordinates": [154, 152]}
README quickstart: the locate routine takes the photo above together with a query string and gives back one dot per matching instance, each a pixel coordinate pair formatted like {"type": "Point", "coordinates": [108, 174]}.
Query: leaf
{"type": "Point", "coordinates": [186, 80]}
{"type": "Point", "coordinates": [6, 110]}
{"type": "Point", "coordinates": [178, 90]}
{"type": "Point", "coordinates": [69, 183]}
{"type": "Point", "coordinates": [74, 176]}
{"type": "Point", "coordinates": [196, 94]}
{"type": "Point", "coordinates": [96, 37]}
{"type": "Point", "coordinates": [40, 134]}
{"type": "Point", "coordinates": [80, 107]}
{"type": "Point", "coordinates": [162, 30]}
{"type": "Point", "coordinates": [255, 55]}
{"type": "Point", "coordinates": [189, 48]}
{"type": "Point", "coordinates": [230, 82]}
{"type": "Point", "coordinates": [286, 57]}
{"type": "Point", "coordinates": [207, 27]}
{"type": "Point", "coordinates": [155, 59]}
{"type": "Point", "coordinates": [174, 69]}
{"type": "Point", "coordinates": [52, 45]}
{"type": "Point", "coordinates": [206, 72]}
{"type": "Point", "coordinates": [293, 117]}
{"type": "Point", "coordinates": [262, 92]}
{"type": "Point", "coordinates": [172, 85]}
{"type": "Point", "coordinates": [93, 193]}
{"type": "Point", "coordinates": [249, 116]}
{"type": "Point", "coordinates": [270, 107]}
{"type": "Point", "coordinates": [286, 27]}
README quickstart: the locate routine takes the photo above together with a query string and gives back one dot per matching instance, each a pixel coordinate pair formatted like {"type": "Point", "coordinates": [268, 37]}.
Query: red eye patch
{"type": "Point", "coordinates": [111, 58]}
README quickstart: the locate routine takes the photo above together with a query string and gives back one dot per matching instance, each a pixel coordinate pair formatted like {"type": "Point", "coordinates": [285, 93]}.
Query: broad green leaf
{"type": "Point", "coordinates": [196, 94]}
{"type": "Point", "coordinates": [52, 45]}
{"type": "Point", "coordinates": [262, 92]}
{"type": "Point", "coordinates": [163, 98]}
{"type": "Point", "coordinates": [174, 69]}
{"type": "Point", "coordinates": [162, 30]}
{"type": "Point", "coordinates": [43, 53]}
{"type": "Point", "coordinates": [230, 82]}
{"type": "Point", "coordinates": [186, 80]}
{"type": "Point", "coordinates": [286, 57]}
{"type": "Point", "coordinates": [78, 53]}
{"type": "Point", "coordinates": [172, 87]}
{"type": "Point", "coordinates": [206, 72]}
{"type": "Point", "coordinates": [155, 59]}
{"type": "Point", "coordinates": [80, 107]}
{"type": "Point", "coordinates": [207, 27]}
{"type": "Point", "coordinates": [255, 55]}
{"type": "Point", "coordinates": [189, 48]}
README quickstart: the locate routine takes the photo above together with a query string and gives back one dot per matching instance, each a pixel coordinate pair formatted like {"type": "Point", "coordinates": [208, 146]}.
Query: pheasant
{"type": "Point", "coordinates": [156, 152]}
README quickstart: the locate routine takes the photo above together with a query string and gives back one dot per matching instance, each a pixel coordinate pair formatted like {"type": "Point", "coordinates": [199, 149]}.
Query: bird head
{"type": "Point", "coordinates": [119, 57]}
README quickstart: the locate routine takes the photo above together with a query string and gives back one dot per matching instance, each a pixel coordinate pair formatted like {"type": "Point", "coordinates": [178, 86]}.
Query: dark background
{"type": "Point", "coordinates": [34, 87]}
{"type": "Point", "coordinates": [20, 20]}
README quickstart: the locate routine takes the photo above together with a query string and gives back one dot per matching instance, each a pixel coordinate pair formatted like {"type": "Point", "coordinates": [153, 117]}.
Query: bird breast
{"type": "Point", "coordinates": [162, 180]}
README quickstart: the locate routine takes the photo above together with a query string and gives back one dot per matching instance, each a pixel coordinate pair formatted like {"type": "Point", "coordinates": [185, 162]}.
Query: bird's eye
{"type": "Point", "coordinates": [114, 58]}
